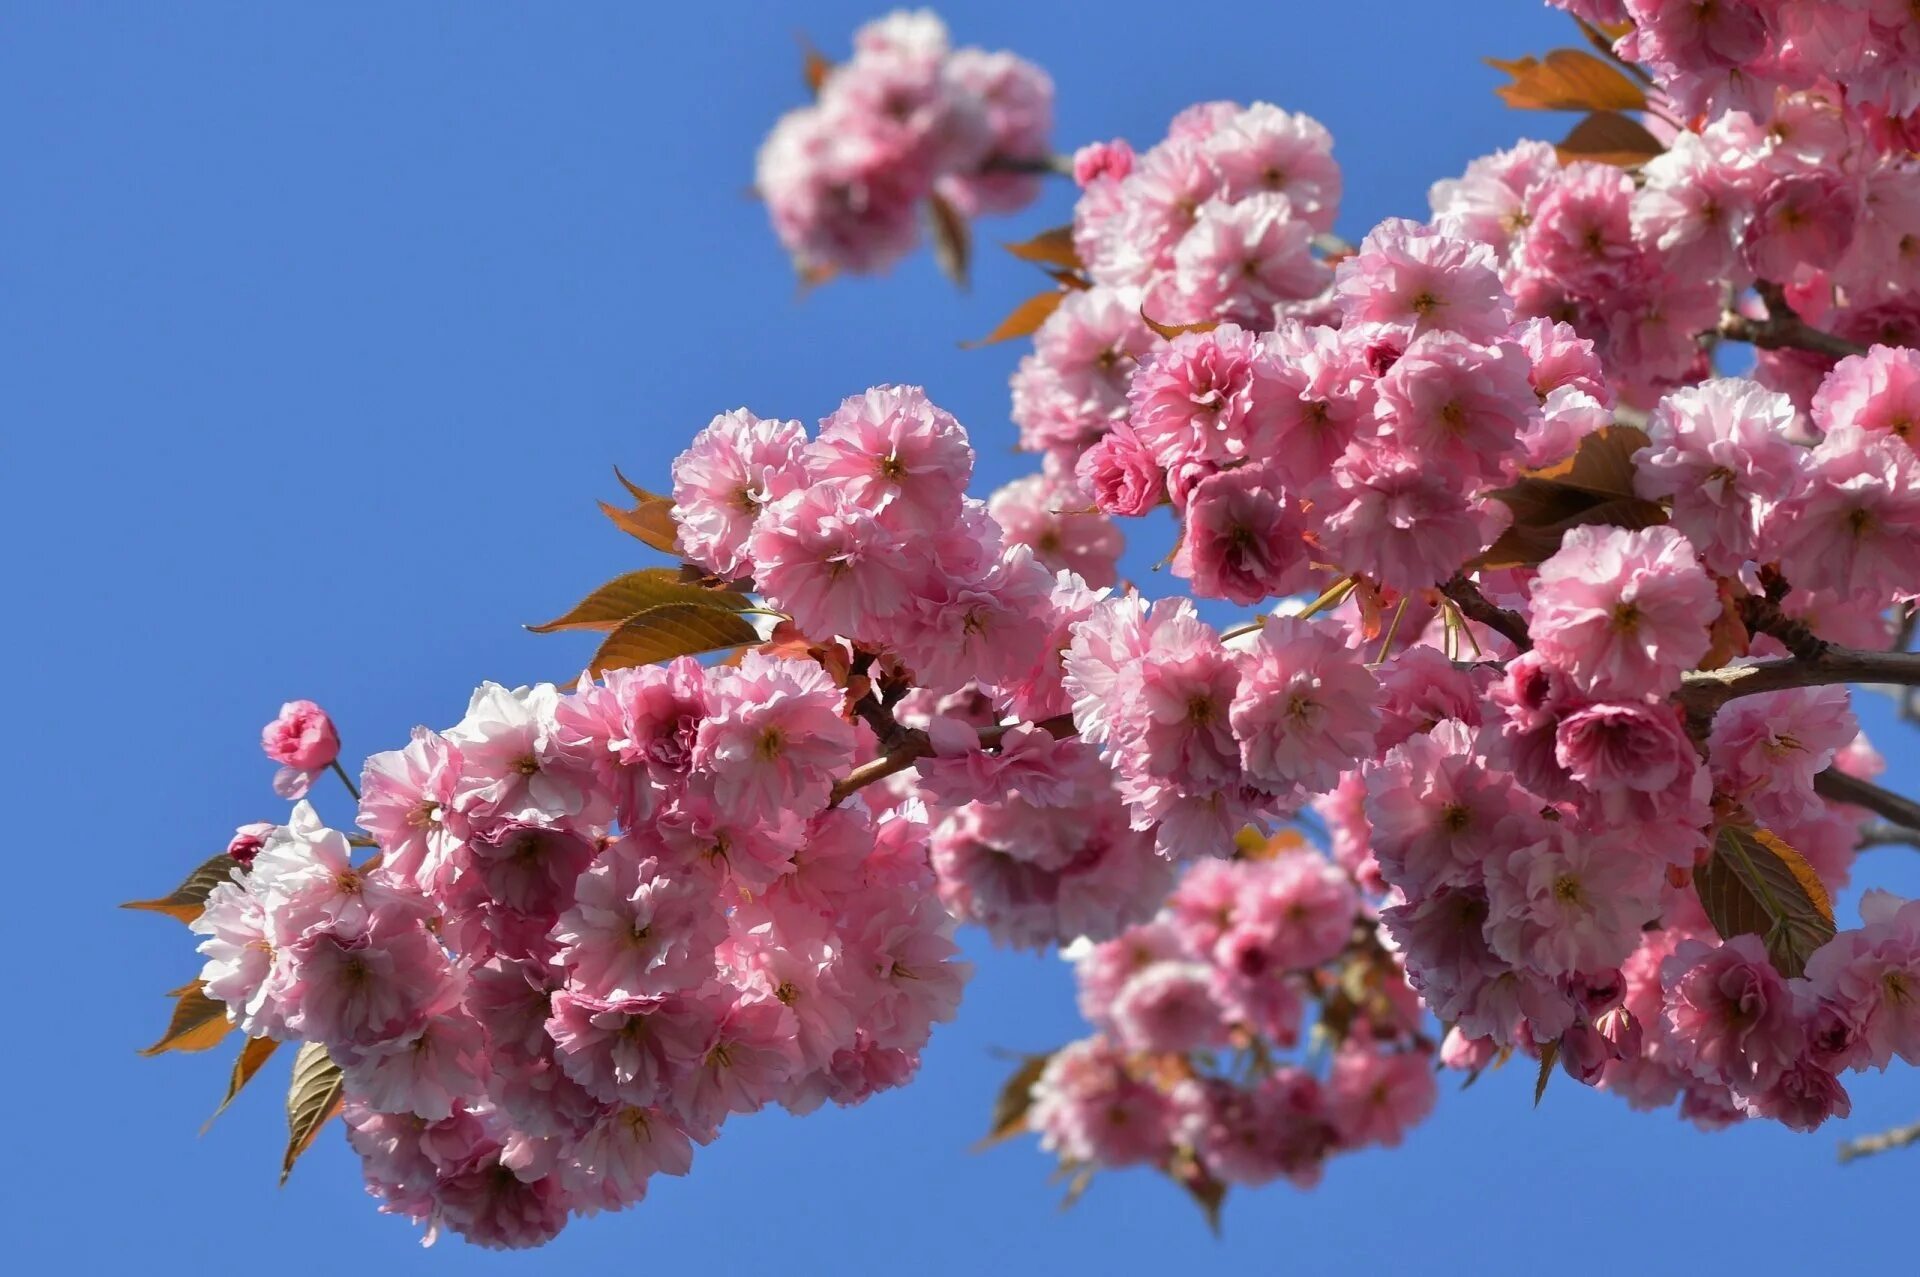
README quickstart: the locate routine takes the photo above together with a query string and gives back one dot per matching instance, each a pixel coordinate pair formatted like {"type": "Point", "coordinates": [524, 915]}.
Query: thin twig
{"type": "Point", "coordinates": [915, 745]}
{"type": "Point", "coordinates": [1838, 787]}
{"type": "Point", "coordinates": [1782, 329]}
{"type": "Point", "coordinates": [1868, 1145]}
{"type": "Point", "coordinates": [1467, 597]}
{"type": "Point", "coordinates": [1884, 833]}
{"type": "Point", "coordinates": [1709, 689]}
{"type": "Point", "coordinates": [1035, 165]}
{"type": "Point", "coordinates": [345, 779]}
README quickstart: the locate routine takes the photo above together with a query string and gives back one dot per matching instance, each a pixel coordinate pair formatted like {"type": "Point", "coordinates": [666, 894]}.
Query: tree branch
{"type": "Point", "coordinates": [1883, 833]}
{"type": "Point", "coordinates": [1475, 607]}
{"type": "Point", "coordinates": [1782, 329]}
{"type": "Point", "coordinates": [1868, 1145]}
{"type": "Point", "coordinates": [1709, 689]}
{"type": "Point", "coordinates": [915, 745]}
{"type": "Point", "coordinates": [1036, 165]}
{"type": "Point", "coordinates": [1838, 787]}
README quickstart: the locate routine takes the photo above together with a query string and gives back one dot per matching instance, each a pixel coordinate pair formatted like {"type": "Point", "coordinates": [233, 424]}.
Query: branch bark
{"type": "Point", "coordinates": [1838, 787]}
{"type": "Point", "coordinates": [1475, 606]}
{"type": "Point", "coordinates": [914, 745]}
{"type": "Point", "coordinates": [1882, 833]}
{"type": "Point", "coordinates": [1868, 1145]}
{"type": "Point", "coordinates": [1709, 689]}
{"type": "Point", "coordinates": [1782, 329]}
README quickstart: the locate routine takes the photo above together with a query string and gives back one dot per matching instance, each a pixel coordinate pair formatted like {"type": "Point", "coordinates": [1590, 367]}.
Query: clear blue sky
{"type": "Point", "coordinates": [320, 328]}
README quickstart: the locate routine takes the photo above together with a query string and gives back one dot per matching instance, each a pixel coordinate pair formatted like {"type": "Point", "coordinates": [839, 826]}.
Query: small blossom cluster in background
{"type": "Point", "coordinates": [906, 121]}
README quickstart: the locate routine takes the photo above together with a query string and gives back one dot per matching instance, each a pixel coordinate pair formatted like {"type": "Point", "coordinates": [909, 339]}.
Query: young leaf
{"type": "Point", "coordinates": [198, 1022]}
{"type": "Point", "coordinates": [1051, 247]}
{"type": "Point", "coordinates": [634, 592]}
{"type": "Point", "coordinates": [1567, 80]}
{"type": "Point", "coordinates": [814, 67]}
{"type": "Point", "coordinates": [1170, 331]}
{"type": "Point", "coordinates": [312, 1099]}
{"type": "Point", "coordinates": [1755, 884]}
{"type": "Point", "coordinates": [1595, 485]}
{"type": "Point", "coordinates": [187, 900]}
{"type": "Point", "coordinates": [1024, 321]}
{"type": "Point", "coordinates": [952, 240]}
{"type": "Point", "coordinates": [1015, 1098]}
{"type": "Point", "coordinates": [1207, 1192]}
{"type": "Point", "coordinates": [1607, 137]}
{"type": "Point", "coordinates": [669, 630]}
{"type": "Point", "coordinates": [255, 1053]}
{"type": "Point", "coordinates": [1549, 1056]}
{"type": "Point", "coordinates": [650, 521]}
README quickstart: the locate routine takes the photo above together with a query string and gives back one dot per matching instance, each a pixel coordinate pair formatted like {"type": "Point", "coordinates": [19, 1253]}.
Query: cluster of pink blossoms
{"type": "Point", "coordinates": [600, 923]}
{"type": "Point", "coordinates": [1743, 54]}
{"type": "Point", "coordinates": [1194, 1012]}
{"type": "Point", "coordinates": [906, 119]}
{"type": "Point", "coordinates": [1217, 221]}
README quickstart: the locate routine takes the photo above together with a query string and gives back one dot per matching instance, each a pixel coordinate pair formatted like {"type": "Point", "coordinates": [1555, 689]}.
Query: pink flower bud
{"type": "Point", "coordinates": [1102, 159]}
{"type": "Point", "coordinates": [302, 737]}
{"type": "Point", "coordinates": [248, 840]}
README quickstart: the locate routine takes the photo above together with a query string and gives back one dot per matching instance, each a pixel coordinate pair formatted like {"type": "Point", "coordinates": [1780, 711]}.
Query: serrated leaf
{"type": "Point", "coordinates": [1015, 1098]}
{"type": "Point", "coordinates": [952, 240]}
{"type": "Point", "coordinates": [631, 593]}
{"type": "Point", "coordinates": [1549, 1055]}
{"type": "Point", "coordinates": [1051, 247]}
{"type": "Point", "coordinates": [255, 1053]}
{"type": "Point", "coordinates": [312, 1099]}
{"type": "Point", "coordinates": [198, 1022]}
{"type": "Point", "coordinates": [1023, 322]}
{"type": "Point", "coordinates": [1606, 137]}
{"type": "Point", "coordinates": [650, 521]}
{"type": "Point", "coordinates": [1755, 884]}
{"type": "Point", "coordinates": [187, 900]}
{"type": "Point", "coordinates": [1170, 331]}
{"type": "Point", "coordinates": [670, 630]}
{"type": "Point", "coordinates": [1567, 80]}
{"type": "Point", "coordinates": [1594, 486]}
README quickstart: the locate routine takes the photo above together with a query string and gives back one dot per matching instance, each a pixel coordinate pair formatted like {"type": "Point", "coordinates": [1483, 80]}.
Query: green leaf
{"type": "Point", "coordinates": [952, 240]}
{"type": "Point", "coordinates": [255, 1053]}
{"type": "Point", "coordinates": [1024, 321]}
{"type": "Point", "coordinates": [1051, 247]}
{"type": "Point", "coordinates": [1015, 1098]}
{"type": "Point", "coordinates": [670, 630]}
{"type": "Point", "coordinates": [187, 900]}
{"type": "Point", "coordinates": [1567, 80]}
{"type": "Point", "coordinates": [312, 1099]}
{"type": "Point", "coordinates": [634, 592]}
{"type": "Point", "coordinates": [198, 1023]}
{"type": "Point", "coordinates": [1755, 884]}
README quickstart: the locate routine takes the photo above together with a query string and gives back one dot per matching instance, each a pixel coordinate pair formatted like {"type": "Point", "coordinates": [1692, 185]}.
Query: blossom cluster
{"type": "Point", "coordinates": [1744, 54]}
{"type": "Point", "coordinates": [1196, 1011]}
{"type": "Point", "coordinates": [1216, 221]}
{"type": "Point", "coordinates": [599, 924]}
{"type": "Point", "coordinates": [906, 119]}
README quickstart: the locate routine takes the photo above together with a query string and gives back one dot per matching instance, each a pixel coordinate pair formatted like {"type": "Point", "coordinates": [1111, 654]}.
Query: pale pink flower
{"type": "Point", "coordinates": [827, 561]}
{"type": "Point", "coordinates": [1102, 160]}
{"type": "Point", "coordinates": [364, 985]}
{"type": "Point", "coordinates": [1437, 814]}
{"type": "Point", "coordinates": [1572, 901]}
{"type": "Point", "coordinates": [508, 767]}
{"type": "Point", "coordinates": [1624, 612]}
{"type": "Point", "coordinates": [776, 740]}
{"type": "Point", "coordinates": [1411, 276]}
{"type": "Point", "coordinates": [896, 455]}
{"type": "Point", "coordinates": [610, 1165]}
{"type": "Point", "coordinates": [1088, 1109]}
{"type": "Point", "coordinates": [1170, 1007]}
{"type": "Point", "coordinates": [1855, 528]}
{"type": "Point", "coordinates": [743, 1065]}
{"type": "Point", "coordinates": [430, 1076]}
{"type": "Point", "coordinates": [1292, 913]}
{"type": "Point", "coordinates": [1581, 229]}
{"type": "Point", "coordinates": [1122, 475]}
{"type": "Point", "coordinates": [1879, 390]}
{"type": "Point", "coordinates": [1312, 397]}
{"type": "Point", "coordinates": [241, 961]}
{"type": "Point", "coordinates": [1265, 149]}
{"type": "Point", "coordinates": [1722, 452]}
{"type": "Point", "coordinates": [1402, 520]}
{"type": "Point", "coordinates": [1305, 708]}
{"type": "Point", "coordinates": [1375, 1096]}
{"type": "Point", "coordinates": [1729, 1015]}
{"type": "Point", "coordinates": [632, 1051]}
{"type": "Point", "coordinates": [1463, 407]}
{"type": "Point", "coordinates": [1767, 749]}
{"type": "Point", "coordinates": [1054, 516]}
{"type": "Point", "coordinates": [736, 466]}
{"type": "Point", "coordinates": [406, 801]}
{"type": "Point", "coordinates": [638, 929]}
{"type": "Point", "coordinates": [1242, 259]}
{"type": "Point", "coordinates": [1244, 538]}
{"type": "Point", "coordinates": [1194, 400]}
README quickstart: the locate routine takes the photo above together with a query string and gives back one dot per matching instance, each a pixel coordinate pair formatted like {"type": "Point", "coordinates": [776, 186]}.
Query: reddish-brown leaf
{"type": "Point", "coordinates": [187, 900]}
{"type": "Point", "coordinates": [631, 593]}
{"type": "Point", "coordinates": [312, 1100]}
{"type": "Point", "coordinates": [1595, 485]}
{"type": "Point", "coordinates": [649, 521]}
{"type": "Point", "coordinates": [198, 1022]}
{"type": "Point", "coordinates": [670, 630]}
{"type": "Point", "coordinates": [1051, 247]}
{"type": "Point", "coordinates": [952, 239]}
{"type": "Point", "coordinates": [1567, 80]}
{"type": "Point", "coordinates": [814, 66]}
{"type": "Point", "coordinates": [1170, 331]}
{"type": "Point", "coordinates": [255, 1053]}
{"type": "Point", "coordinates": [1015, 1098]}
{"type": "Point", "coordinates": [1023, 322]}
{"type": "Point", "coordinates": [1607, 137]}
{"type": "Point", "coordinates": [1755, 884]}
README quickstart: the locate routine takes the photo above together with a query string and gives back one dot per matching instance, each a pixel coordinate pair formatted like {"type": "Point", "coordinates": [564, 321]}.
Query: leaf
{"type": "Point", "coordinates": [650, 520]}
{"type": "Point", "coordinates": [634, 592]}
{"type": "Point", "coordinates": [952, 241]}
{"type": "Point", "coordinates": [1755, 884]}
{"type": "Point", "coordinates": [198, 1023]}
{"type": "Point", "coordinates": [1170, 331]}
{"type": "Point", "coordinates": [187, 900]}
{"type": "Point", "coordinates": [1609, 138]}
{"type": "Point", "coordinates": [1549, 1055]}
{"type": "Point", "coordinates": [669, 630]}
{"type": "Point", "coordinates": [1051, 247]}
{"type": "Point", "coordinates": [814, 66]}
{"type": "Point", "coordinates": [1015, 1098]}
{"type": "Point", "coordinates": [1251, 844]}
{"type": "Point", "coordinates": [1209, 1193]}
{"type": "Point", "coordinates": [1595, 485]}
{"type": "Point", "coordinates": [1024, 321]}
{"type": "Point", "coordinates": [255, 1053]}
{"type": "Point", "coordinates": [312, 1099]}
{"type": "Point", "coordinates": [1567, 80]}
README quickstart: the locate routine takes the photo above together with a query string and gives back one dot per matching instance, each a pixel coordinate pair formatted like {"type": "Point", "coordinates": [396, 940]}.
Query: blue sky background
{"type": "Point", "coordinates": [321, 328]}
